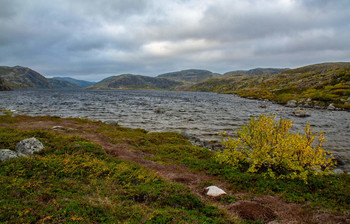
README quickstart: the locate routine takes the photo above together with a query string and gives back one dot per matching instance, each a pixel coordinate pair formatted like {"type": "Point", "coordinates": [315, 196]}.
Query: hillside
{"type": "Point", "coordinates": [62, 84]}
{"type": "Point", "coordinates": [4, 86]}
{"type": "Point", "coordinates": [190, 75]}
{"type": "Point", "coordinates": [80, 83]}
{"type": "Point", "coordinates": [23, 78]}
{"type": "Point", "coordinates": [129, 81]}
{"type": "Point", "coordinates": [257, 71]}
{"type": "Point", "coordinates": [320, 85]}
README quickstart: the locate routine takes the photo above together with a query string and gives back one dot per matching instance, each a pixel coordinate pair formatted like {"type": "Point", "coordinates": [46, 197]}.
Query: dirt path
{"type": "Point", "coordinates": [265, 208]}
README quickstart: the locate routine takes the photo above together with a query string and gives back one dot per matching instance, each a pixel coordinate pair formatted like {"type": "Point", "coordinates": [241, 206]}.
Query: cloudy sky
{"type": "Point", "coordinates": [95, 39]}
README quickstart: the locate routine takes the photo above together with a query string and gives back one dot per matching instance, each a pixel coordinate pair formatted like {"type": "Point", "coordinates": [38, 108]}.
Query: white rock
{"type": "Point", "coordinates": [6, 154]}
{"type": "Point", "coordinates": [331, 107]}
{"type": "Point", "coordinates": [338, 171]}
{"type": "Point", "coordinates": [28, 146]}
{"type": "Point", "coordinates": [291, 103]}
{"type": "Point", "coordinates": [57, 127]}
{"type": "Point", "coordinates": [214, 191]}
{"type": "Point", "coordinates": [301, 113]}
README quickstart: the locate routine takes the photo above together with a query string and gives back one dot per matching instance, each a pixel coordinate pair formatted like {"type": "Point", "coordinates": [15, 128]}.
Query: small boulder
{"type": "Point", "coordinates": [291, 103]}
{"type": "Point", "coordinates": [28, 146]}
{"type": "Point", "coordinates": [301, 113]}
{"type": "Point", "coordinates": [331, 107]}
{"type": "Point", "coordinates": [111, 122]}
{"type": "Point", "coordinates": [338, 171]}
{"type": "Point", "coordinates": [214, 191]}
{"type": "Point", "coordinates": [6, 154]}
{"type": "Point", "coordinates": [338, 160]}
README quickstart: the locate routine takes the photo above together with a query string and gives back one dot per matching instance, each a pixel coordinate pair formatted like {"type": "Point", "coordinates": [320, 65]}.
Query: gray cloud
{"type": "Point", "coordinates": [95, 39]}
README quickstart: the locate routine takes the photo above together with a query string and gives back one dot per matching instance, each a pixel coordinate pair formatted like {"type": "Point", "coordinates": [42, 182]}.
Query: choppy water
{"type": "Point", "coordinates": [200, 115]}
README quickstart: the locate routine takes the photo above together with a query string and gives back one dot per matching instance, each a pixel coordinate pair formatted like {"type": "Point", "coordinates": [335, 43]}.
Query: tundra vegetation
{"type": "Point", "coordinates": [266, 145]}
{"type": "Point", "coordinates": [315, 85]}
{"type": "Point", "coordinates": [74, 180]}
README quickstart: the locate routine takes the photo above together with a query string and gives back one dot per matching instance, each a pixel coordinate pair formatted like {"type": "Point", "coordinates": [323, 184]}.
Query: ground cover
{"type": "Point", "coordinates": [151, 177]}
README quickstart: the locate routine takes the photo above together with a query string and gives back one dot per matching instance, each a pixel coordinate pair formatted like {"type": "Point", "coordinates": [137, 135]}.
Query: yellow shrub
{"type": "Point", "coordinates": [266, 145]}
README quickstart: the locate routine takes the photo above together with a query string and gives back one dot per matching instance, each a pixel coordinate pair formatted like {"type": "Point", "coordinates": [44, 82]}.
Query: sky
{"type": "Point", "coordinates": [92, 40]}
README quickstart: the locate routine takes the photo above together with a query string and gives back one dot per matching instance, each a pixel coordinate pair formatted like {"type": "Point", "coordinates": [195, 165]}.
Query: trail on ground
{"type": "Point", "coordinates": [263, 207]}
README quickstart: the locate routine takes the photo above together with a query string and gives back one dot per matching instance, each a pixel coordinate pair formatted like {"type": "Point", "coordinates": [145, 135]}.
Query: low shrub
{"type": "Point", "coordinates": [265, 145]}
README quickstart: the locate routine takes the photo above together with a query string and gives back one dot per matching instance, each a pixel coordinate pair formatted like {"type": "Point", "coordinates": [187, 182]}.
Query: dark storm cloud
{"type": "Point", "coordinates": [95, 39]}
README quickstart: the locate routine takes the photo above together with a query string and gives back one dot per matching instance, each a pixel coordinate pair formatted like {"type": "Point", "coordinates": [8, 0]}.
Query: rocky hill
{"type": "Point", "coordinates": [320, 85]}
{"type": "Point", "coordinates": [19, 77]}
{"type": "Point", "coordinates": [62, 84]}
{"type": "Point", "coordinates": [129, 81]}
{"type": "Point", "coordinates": [190, 75]}
{"type": "Point", "coordinates": [80, 83]}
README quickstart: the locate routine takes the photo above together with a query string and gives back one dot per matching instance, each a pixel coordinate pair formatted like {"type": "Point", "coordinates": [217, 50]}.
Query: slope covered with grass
{"type": "Point", "coordinates": [316, 85]}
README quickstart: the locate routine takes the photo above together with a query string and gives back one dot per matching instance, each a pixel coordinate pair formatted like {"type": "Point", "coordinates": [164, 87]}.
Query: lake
{"type": "Point", "coordinates": [197, 115]}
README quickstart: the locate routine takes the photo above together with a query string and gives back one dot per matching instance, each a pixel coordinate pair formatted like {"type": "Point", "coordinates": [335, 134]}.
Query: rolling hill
{"type": "Point", "coordinates": [190, 75]}
{"type": "Point", "coordinates": [80, 83]}
{"type": "Point", "coordinates": [19, 77]}
{"type": "Point", "coordinates": [62, 84]}
{"type": "Point", "coordinates": [129, 81]}
{"type": "Point", "coordinates": [319, 85]}
{"type": "Point", "coordinates": [257, 71]}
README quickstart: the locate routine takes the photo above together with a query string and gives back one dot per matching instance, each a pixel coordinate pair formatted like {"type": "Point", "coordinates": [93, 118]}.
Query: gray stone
{"type": "Point", "coordinates": [6, 154]}
{"type": "Point", "coordinates": [338, 159]}
{"type": "Point", "coordinates": [301, 113]}
{"type": "Point", "coordinates": [338, 171]}
{"type": "Point", "coordinates": [28, 146]}
{"type": "Point", "coordinates": [291, 103]}
{"type": "Point", "coordinates": [331, 107]}
{"type": "Point", "coordinates": [111, 122]}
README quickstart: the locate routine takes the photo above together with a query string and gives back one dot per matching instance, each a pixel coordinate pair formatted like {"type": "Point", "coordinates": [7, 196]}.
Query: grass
{"type": "Point", "coordinates": [329, 192]}
{"type": "Point", "coordinates": [74, 180]}
{"type": "Point", "coordinates": [315, 85]}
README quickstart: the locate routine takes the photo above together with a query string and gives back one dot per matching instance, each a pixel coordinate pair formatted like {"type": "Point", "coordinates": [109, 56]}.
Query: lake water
{"type": "Point", "coordinates": [197, 115]}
